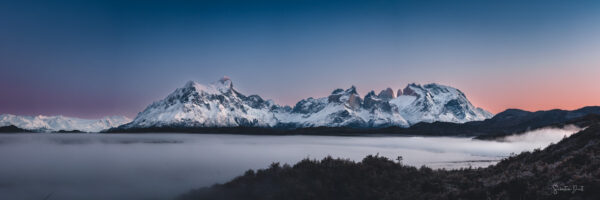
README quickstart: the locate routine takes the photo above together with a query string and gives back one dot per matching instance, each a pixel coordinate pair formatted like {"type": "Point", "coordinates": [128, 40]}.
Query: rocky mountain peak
{"type": "Point", "coordinates": [399, 93]}
{"type": "Point", "coordinates": [349, 96]}
{"type": "Point", "coordinates": [351, 90]}
{"type": "Point", "coordinates": [226, 82]}
{"type": "Point", "coordinates": [337, 91]}
{"type": "Point", "coordinates": [371, 95]}
{"type": "Point", "coordinates": [408, 90]}
{"type": "Point", "coordinates": [386, 94]}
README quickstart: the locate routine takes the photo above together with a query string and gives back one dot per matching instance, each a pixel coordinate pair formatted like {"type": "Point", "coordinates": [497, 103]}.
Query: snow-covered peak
{"type": "Point", "coordinates": [436, 102]}
{"type": "Point", "coordinates": [115, 120]}
{"type": "Point", "coordinates": [221, 86]}
{"type": "Point", "coordinates": [351, 90]}
{"type": "Point", "coordinates": [56, 123]}
{"type": "Point", "coordinates": [348, 97]}
{"type": "Point", "coordinates": [219, 105]}
{"type": "Point", "coordinates": [412, 89]}
{"type": "Point", "coordinates": [214, 105]}
{"type": "Point", "coordinates": [432, 92]}
{"type": "Point", "coordinates": [226, 82]}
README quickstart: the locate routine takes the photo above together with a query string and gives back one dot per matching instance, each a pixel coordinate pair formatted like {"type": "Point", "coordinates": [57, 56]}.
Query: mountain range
{"type": "Point", "coordinates": [219, 104]}
{"type": "Point", "coordinates": [430, 109]}
{"type": "Point", "coordinates": [42, 123]}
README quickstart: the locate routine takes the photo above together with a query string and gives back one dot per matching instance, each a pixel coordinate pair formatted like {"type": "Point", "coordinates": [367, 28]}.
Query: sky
{"type": "Point", "coordinates": [92, 58]}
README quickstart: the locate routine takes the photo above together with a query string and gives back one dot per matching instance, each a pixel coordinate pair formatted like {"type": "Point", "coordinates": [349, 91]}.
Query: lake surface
{"type": "Point", "coordinates": [162, 166]}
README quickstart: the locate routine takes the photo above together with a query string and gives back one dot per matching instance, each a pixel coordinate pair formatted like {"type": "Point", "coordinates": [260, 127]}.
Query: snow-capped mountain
{"type": "Point", "coordinates": [42, 123]}
{"type": "Point", "coordinates": [414, 104]}
{"type": "Point", "coordinates": [435, 102]}
{"type": "Point", "coordinates": [214, 105]}
{"type": "Point", "coordinates": [344, 108]}
{"type": "Point", "coordinates": [220, 105]}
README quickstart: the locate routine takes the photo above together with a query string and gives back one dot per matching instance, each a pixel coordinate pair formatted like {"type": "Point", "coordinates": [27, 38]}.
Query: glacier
{"type": "Point", "coordinates": [219, 104]}
{"type": "Point", "coordinates": [43, 123]}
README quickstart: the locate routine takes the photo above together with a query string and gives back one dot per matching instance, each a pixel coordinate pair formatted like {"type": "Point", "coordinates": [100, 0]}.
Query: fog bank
{"type": "Point", "coordinates": [161, 166]}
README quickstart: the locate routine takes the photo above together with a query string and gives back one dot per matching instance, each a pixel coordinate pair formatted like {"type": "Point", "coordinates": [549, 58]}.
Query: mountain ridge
{"type": "Point", "coordinates": [41, 123]}
{"type": "Point", "coordinates": [219, 104]}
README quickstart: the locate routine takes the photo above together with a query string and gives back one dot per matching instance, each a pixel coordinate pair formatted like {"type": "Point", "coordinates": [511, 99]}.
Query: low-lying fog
{"type": "Point", "coordinates": [162, 166]}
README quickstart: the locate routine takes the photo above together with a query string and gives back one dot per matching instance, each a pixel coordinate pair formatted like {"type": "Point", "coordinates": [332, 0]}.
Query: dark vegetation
{"type": "Point", "coordinates": [71, 131]}
{"type": "Point", "coordinates": [505, 123]}
{"type": "Point", "coordinates": [12, 129]}
{"type": "Point", "coordinates": [250, 130]}
{"type": "Point", "coordinates": [551, 173]}
{"type": "Point", "coordinates": [15, 129]}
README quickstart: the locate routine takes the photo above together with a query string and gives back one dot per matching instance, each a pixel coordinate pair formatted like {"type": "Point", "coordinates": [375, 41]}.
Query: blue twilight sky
{"type": "Point", "coordinates": [95, 58]}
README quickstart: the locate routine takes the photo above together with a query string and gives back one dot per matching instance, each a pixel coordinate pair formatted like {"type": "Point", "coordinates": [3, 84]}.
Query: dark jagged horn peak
{"type": "Point", "coordinates": [337, 91]}
{"type": "Point", "coordinates": [388, 93]}
{"type": "Point", "coordinates": [370, 94]}
{"type": "Point", "coordinates": [409, 91]}
{"type": "Point", "coordinates": [413, 85]}
{"type": "Point", "coordinates": [351, 90]}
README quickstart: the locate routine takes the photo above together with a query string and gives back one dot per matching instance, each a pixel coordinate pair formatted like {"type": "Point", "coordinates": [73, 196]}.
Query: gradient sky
{"type": "Point", "coordinates": [95, 58]}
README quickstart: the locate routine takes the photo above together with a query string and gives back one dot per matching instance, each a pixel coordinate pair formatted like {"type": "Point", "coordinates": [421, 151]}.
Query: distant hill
{"type": "Point", "coordinates": [511, 121]}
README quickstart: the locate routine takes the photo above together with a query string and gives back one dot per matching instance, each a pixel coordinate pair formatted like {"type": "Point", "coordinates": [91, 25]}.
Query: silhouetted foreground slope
{"type": "Point", "coordinates": [11, 129]}
{"type": "Point", "coordinates": [14, 129]}
{"type": "Point", "coordinates": [567, 170]}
